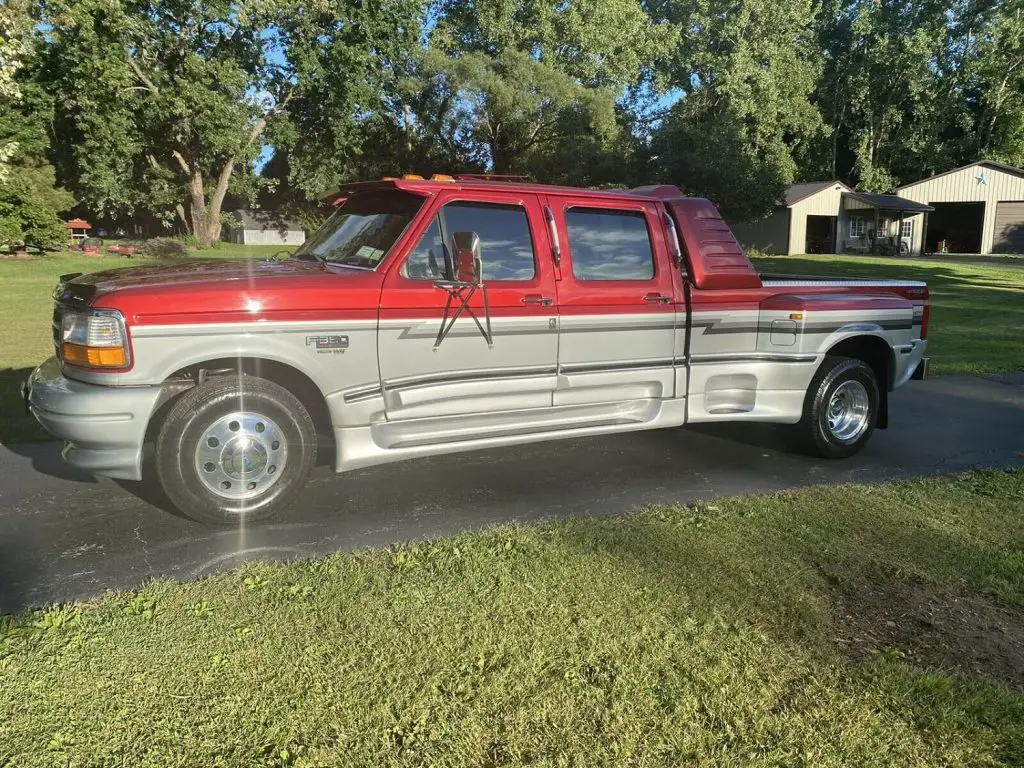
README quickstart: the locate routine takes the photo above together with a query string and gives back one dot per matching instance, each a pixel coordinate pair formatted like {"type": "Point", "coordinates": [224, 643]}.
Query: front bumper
{"type": "Point", "coordinates": [103, 427]}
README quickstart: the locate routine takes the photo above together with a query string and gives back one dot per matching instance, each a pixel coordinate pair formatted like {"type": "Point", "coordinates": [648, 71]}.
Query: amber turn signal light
{"type": "Point", "coordinates": [94, 357]}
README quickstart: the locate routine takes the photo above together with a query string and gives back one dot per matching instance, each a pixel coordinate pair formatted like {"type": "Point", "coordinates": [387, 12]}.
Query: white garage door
{"type": "Point", "coordinates": [1008, 236]}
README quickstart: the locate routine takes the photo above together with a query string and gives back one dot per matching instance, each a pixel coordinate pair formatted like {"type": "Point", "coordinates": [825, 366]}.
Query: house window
{"type": "Point", "coordinates": [906, 228]}
{"type": "Point", "coordinates": [857, 227]}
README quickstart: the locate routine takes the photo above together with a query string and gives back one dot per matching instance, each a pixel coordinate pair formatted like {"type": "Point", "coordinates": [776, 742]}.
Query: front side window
{"type": "Point", "coordinates": [857, 227]}
{"type": "Point", "coordinates": [429, 260]}
{"type": "Point", "coordinates": [609, 245]}
{"type": "Point", "coordinates": [363, 230]}
{"type": "Point", "coordinates": [506, 246]}
{"type": "Point", "coordinates": [906, 228]}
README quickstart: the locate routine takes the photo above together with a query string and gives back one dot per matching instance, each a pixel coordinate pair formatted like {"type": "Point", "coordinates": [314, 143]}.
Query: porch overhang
{"type": "Point", "coordinates": [889, 203]}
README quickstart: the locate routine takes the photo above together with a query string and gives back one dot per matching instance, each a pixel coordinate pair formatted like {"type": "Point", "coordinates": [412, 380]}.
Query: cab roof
{"type": "Point", "coordinates": [421, 186]}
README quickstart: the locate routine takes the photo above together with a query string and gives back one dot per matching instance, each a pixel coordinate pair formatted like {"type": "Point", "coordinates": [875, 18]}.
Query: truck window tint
{"type": "Point", "coordinates": [506, 247]}
{"type": "Point", "coordinates": [609, 245]}
{"type": "Point", "coordinates": [428, 260]}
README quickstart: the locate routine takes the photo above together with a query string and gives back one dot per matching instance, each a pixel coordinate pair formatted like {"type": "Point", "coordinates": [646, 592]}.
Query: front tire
{"type": "Point", "coordinates": [235, 449]}
{"type": "Point", "coordinates": [841, 408]}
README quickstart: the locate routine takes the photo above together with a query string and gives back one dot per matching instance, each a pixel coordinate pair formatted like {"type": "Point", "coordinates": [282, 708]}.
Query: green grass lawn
{"type": "Point", "coordinates": [977, 316]}
{"type": "Point", "coordinates": [836, 626]}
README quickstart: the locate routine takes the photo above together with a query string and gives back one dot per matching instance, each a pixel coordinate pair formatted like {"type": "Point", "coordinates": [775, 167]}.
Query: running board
{"type": "Point", "coordinates": [445, 430]}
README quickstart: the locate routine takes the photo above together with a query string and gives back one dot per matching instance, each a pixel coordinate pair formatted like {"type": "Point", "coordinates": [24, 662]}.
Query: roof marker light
{"type": "Point", "coordinates": [442, 177]}
{"type": "Point", "coordinates": [412, 176]}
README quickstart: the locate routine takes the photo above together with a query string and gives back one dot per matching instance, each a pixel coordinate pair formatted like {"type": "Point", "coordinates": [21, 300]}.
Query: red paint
{"type": "Point", "coordinates": [834, 302]}
{"type": "Point", "coordinates": [722, 278]}
{"type": "Point", "coordinates": [237, 291]}
{"type": "Point", "coordinates": [595, 297]}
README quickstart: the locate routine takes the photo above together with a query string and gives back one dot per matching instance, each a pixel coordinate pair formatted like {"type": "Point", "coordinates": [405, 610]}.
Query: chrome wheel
{"type": "Point", "coordinates": [848, 411]}
{"type": "Point", "coordinates": [241, 455]}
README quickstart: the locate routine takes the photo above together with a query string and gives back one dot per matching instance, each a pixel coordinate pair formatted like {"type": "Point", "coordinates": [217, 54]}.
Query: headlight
{"type": "Point", "coordinates": [94, 339]}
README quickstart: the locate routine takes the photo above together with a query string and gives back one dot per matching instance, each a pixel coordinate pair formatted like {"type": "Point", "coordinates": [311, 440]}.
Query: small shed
{"type": "Point", "coordinates": [978, 208]}
{"type": "Point", "coordinates": [253, 227]}
{"type": "Point", "coordinates": [831, 217]}
{"type": "Point", "coordinates": [78, 230]}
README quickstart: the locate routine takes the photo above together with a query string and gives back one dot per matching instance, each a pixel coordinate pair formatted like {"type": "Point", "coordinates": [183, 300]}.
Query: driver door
{"type": "Point", "coordinates": [462, 374]}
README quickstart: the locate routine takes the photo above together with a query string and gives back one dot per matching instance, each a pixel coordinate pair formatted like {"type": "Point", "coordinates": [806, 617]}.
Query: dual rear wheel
{"type": "Point", "coordinates": [841, 408]}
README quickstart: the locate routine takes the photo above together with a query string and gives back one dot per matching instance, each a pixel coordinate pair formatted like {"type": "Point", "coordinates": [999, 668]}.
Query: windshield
{"type": "Point", "coordinates": [362, 231]}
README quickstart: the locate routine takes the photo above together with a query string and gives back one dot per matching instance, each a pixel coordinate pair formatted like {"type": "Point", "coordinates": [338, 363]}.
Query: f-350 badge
{"type": "Point", "coordinates": [331, 344]}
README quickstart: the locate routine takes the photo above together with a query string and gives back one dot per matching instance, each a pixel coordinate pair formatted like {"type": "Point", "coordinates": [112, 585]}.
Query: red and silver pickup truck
{"type": "Point", "coordinates": [430, 316]}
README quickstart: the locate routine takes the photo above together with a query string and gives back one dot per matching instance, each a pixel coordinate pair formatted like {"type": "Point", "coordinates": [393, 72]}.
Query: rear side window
{"type": "Point", "coordinates": [609, 245]}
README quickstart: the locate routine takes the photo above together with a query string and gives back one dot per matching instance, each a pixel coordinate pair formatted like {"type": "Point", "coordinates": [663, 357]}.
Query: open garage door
{"type": "Point", "coordinates": [1008, 234]}
{"type": "Point", "coordinates": [957, 226]}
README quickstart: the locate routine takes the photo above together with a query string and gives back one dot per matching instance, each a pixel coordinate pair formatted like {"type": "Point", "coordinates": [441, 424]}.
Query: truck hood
{"type": "Point", "coordinates": [191, 272]}
{"type": "Point", "coordinates": [212, 290]}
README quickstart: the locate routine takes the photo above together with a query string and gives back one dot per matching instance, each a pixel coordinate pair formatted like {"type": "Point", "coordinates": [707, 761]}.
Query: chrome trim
{"type": "Point", "coordinates": [556, 245]}
{"type": "Point", "coordinates": [848, 411]}
{"type": "Point", "coordinates": [240, 455]}
{"type": "Point", "coordinates": [677, 250]}
{"type": "Point", "coordinates": [458, 377]}
{"type": "Point", "coordinates": [367, 392]}
{"type": "Point", "coordinates": [633, 365]}
{"type": "Point", "coordinates": [749, 358]}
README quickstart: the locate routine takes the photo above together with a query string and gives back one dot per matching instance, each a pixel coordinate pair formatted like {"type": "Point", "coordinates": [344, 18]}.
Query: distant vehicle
{"type": "Point", "coordinates": [434, 316]}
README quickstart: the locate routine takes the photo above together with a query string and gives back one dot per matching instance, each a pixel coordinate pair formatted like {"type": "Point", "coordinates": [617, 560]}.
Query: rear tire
{"type": "Point", "coordinates": [233, 450]}
{"type": "Point", "coordinates": [840, 410]}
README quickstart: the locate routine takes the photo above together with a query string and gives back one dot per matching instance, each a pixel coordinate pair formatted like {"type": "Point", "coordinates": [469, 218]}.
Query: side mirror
{"type": "Point", "coordinates": [468, 265]}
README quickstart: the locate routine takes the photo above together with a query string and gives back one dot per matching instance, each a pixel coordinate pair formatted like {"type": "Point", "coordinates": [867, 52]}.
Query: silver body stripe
{"type": "Point", "coordinates": [392, 394]}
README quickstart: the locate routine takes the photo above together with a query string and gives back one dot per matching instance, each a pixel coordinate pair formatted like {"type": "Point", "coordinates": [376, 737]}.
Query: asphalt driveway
{"type": "Point", "coordinates": [66, 535]}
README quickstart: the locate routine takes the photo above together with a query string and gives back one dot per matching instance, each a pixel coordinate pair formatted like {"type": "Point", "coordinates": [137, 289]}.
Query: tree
{"type": "Point", "coordinates": [516, 79]}
{"type": "Point", "coordinates": [14, 48]}
{"type": "Point", "coordinates": [889, 92]}
{"type": "Point", "coordinates": [348, 59]}
{"type": "Point", "coordinates": [996, 72]}
{"type": "Point", "coordinates": [168, 102]}
{"type": "Point", "coordinates": [30, 200]}
{"type": "Point", "coordinates": [746, 72]}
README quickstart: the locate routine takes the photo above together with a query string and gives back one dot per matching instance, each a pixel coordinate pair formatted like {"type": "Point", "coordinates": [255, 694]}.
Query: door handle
{"type": "Point", "coordinates": [532, 298]}
{"type": "Point", "coordinates": [657, 298]}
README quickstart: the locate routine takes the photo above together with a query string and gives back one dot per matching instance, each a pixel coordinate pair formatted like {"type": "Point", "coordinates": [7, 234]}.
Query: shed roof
{"type": "Point", "coordinates": [77, 224]}
{"type": "Point", "coordinates": [799, 192]}
{"type": "Point", "coordinates": [890, 202]}
{"type": "Point", "coordinates": [265, 220]}
{"type": "Point", "coordinates": [1013, 171]}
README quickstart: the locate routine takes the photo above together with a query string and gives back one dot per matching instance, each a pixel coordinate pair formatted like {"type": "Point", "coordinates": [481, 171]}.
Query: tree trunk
{"type": "Point", "coordinates": [217, 200]}
{"type": "Point", "coordinates": [197, 210]}
{"type": "Point", "coordinates": [180, 209]}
